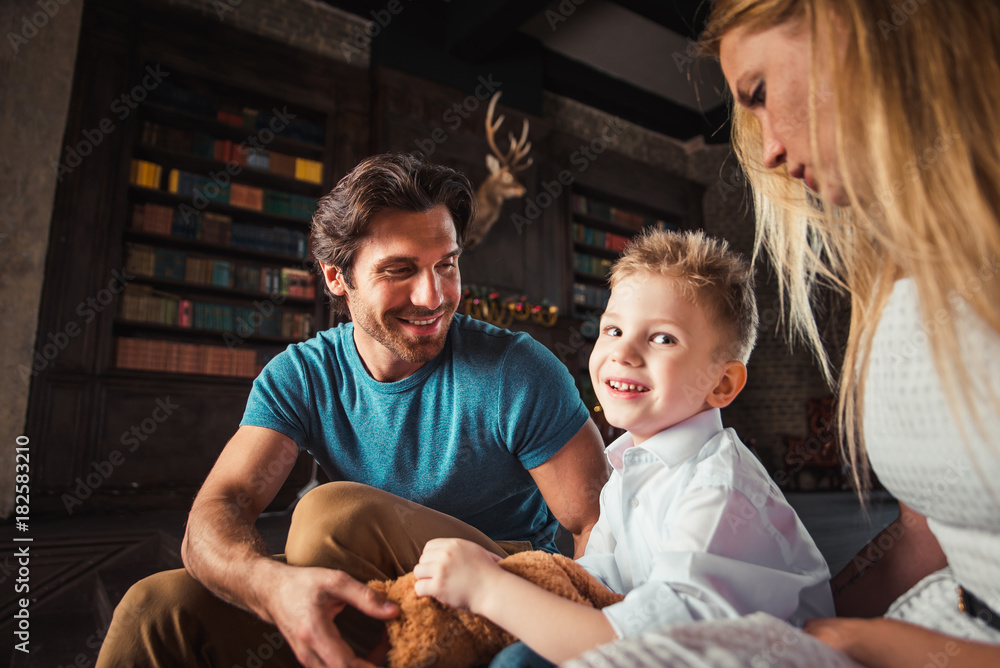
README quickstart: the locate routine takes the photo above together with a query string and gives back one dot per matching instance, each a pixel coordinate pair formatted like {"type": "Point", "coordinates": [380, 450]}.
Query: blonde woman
{"type": "Point", "coordinates": [870, 133]}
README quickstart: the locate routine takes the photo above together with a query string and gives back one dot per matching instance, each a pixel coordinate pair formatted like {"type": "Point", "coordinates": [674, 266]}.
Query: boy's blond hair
{"type": "Point", "coordinates": [708, 274]}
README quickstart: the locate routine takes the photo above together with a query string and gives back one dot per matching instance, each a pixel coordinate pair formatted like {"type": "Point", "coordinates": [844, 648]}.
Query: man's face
{"type": "Point", "coordinates": [406, 289]}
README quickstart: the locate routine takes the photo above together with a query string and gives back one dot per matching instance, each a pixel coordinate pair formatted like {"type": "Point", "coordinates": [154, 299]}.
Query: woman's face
{"type": "Point", "coordinates": [768, 74]}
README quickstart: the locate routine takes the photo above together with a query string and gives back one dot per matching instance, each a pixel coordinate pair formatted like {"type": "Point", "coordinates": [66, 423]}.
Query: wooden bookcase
{"type": "Point", "coordinates": [166, 301]}
{"type": "Point", "coordinates": [600, 227]}
{"type": "Point", "coordinates": [221, 192]}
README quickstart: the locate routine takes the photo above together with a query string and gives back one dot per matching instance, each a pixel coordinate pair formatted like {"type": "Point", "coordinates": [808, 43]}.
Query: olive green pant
{"type": "Point", "coordinates": [170, 620]}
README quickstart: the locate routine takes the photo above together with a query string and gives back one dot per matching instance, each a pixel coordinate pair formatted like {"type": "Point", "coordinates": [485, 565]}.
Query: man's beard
{"type": "Point", "coordinates": [388, 332]}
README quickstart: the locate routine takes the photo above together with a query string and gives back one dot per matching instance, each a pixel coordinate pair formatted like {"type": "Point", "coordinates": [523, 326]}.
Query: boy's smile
{"type": "Point", "coordinates": [654, 363]}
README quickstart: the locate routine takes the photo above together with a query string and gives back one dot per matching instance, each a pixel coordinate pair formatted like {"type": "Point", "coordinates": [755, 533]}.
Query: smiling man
{"type": "Point", "coordinates": [431, 424]}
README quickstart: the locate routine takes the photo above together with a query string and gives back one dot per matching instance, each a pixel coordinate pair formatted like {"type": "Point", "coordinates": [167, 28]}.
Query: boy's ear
{"type": "Point", "coordinates": [731, 383]}
{"type": "Point", "coordinates": [334, 279]}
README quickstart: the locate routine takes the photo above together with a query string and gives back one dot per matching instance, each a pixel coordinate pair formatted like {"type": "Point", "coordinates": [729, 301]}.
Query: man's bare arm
{"type": "Point", "coordinates": [223, 550]}
{"type": "Point", "coordinates": [571, 482]}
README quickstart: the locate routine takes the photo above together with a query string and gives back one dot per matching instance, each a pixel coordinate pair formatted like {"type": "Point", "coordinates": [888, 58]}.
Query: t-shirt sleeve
{"type": "Point", "coordinates": [539, 407]}
{"type": "Point", "coordinates": [278, 397]}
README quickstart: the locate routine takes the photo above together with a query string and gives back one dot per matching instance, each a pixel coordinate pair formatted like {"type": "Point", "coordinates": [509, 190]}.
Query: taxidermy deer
{"type": "Point", "coordinates": [501, 184]}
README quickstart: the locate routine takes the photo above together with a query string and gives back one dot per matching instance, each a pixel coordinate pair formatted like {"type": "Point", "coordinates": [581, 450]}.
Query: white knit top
{"type": "Point", "coordinates": [944, 468]}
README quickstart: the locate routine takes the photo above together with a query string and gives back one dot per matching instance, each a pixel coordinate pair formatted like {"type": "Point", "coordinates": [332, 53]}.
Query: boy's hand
{"type": "Point", "coordinates": [456, 572]}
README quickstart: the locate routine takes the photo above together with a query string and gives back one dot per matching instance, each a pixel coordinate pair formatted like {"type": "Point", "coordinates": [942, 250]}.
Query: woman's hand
{"type": "Point", "coordinates": [889, 643]}
{"type": "Point", "coordinates": [843, 634]}
{"type": "Point", "coordinates": [456, 572]}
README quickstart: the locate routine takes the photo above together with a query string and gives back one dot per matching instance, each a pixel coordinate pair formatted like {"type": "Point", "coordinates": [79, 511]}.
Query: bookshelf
{"type": "Point", "coordinates": [178, 259]}
{"type": "Point", "coordinates": [600, 227]}
{"type": "Point", "coordinates": [221, 189]}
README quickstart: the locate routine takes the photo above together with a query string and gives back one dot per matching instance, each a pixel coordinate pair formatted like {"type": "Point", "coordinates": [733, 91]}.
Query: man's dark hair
{"type": "Point", "coordinates": [397, 181]}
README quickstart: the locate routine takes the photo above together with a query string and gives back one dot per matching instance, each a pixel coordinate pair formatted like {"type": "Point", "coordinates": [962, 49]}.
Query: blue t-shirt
{"type": "Point", "coordinates": [457, 436]}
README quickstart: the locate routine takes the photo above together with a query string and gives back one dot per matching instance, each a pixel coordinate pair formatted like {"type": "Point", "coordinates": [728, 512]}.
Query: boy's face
{"type": "Point", "coordinates": [653, 364]}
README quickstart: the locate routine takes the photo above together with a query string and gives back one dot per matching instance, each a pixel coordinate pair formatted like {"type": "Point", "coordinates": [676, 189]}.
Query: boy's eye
{"type": "Point", "coordinates": [611, 330]}
{"type": "Point", "coordinates": [663, 338]}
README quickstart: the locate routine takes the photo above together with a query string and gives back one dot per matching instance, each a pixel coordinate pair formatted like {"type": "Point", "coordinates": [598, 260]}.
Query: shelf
{"type": "Point", "coordinates": [600, 251]}
{"type": "Point", "coordinates": [590, 278]}
{"type": "Point", "coordinates": [190, 332]}
{"type": "Point", "coordinates": [143, 375]}
{"type": "Point", "coordinates": [209, 289]}
{"type": "Point", "coordinates": [250, 176]}
{"type": "Point", "coordinates": [144, 194]}
{"type": "Point", "coordinates": [231, 251]}
{"type": "Point", "coordinates": [184, 120]}
{"type": "Point", "coordinates": [605, 225]}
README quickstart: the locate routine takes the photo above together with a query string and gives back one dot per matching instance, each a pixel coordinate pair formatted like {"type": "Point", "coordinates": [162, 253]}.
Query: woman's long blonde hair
{"type": "Point", "coordinates": [916, 116]}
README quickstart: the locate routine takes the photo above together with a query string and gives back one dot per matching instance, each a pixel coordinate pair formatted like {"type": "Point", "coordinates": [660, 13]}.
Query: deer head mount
{"type": "Point", "coordinates": [502, 183]}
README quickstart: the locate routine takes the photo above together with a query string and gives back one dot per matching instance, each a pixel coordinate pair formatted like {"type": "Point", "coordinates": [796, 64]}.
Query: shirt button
{"type": "Point", "coordinates": [633, 502]}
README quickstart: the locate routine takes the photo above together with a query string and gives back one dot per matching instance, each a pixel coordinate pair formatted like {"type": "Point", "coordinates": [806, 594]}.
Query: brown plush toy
{"type": "Point", "coordinates": [427, 633]}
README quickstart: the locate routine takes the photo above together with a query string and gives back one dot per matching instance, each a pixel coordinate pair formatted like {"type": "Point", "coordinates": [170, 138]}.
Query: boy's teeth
{"type": "Point", "coordinates": [625, 387]}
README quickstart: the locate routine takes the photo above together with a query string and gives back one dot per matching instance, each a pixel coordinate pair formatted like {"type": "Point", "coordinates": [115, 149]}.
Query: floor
{"type": "Point", "coordinates": [81, 566]}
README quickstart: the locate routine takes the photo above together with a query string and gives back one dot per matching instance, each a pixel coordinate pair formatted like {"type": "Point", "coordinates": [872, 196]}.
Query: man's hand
{"type": "Point", "coordinates": [456, 572]}
{"type": "Point", "coordinates": [304, 604]}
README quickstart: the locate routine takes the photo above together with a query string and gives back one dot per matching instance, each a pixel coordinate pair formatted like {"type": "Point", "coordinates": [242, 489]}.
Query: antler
{"type": "Point", "coordinates": [518, 147]}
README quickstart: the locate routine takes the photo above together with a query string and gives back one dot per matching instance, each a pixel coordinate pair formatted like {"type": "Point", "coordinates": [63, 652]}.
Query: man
{"type": "Point", "coordinates": [452, 428]}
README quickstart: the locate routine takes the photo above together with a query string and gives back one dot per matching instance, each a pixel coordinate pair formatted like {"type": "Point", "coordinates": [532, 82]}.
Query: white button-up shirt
{"type": "Point", "coordinates": [692, 527]}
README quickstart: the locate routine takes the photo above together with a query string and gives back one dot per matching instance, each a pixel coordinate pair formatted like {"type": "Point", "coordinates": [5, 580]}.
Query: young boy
{"type": "Point", "coordinates": [691, 525]}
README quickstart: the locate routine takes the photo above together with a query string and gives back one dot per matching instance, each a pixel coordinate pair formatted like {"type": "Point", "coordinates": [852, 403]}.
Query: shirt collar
{"type": "Point", "coordinates": [674, 444]}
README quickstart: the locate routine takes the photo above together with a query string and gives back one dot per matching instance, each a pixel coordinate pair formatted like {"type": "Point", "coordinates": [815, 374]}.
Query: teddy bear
{"type": "Point", "coordinates": [427, 633]}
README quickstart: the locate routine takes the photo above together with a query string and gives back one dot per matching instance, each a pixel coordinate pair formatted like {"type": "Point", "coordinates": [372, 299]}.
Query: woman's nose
{"type": "Point", "coordinates": [774, 149]}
